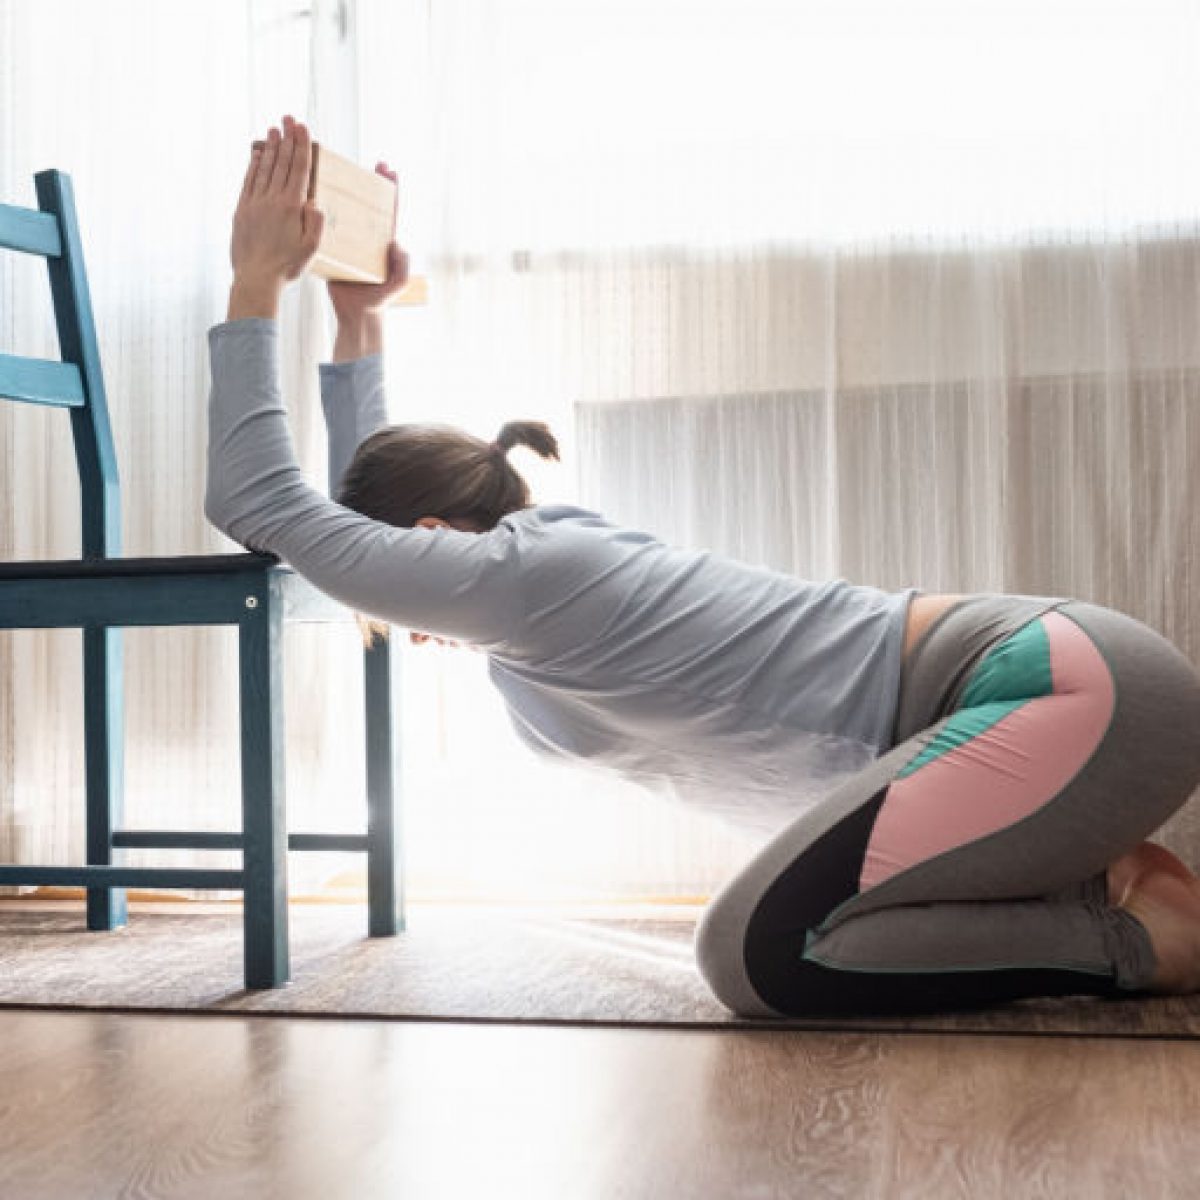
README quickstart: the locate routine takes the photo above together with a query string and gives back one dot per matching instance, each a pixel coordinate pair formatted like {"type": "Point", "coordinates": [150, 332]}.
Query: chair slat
{"type": "Point", "coordinates": [30, 231]}
{"type": "Point", "coordinates": [40, 381]}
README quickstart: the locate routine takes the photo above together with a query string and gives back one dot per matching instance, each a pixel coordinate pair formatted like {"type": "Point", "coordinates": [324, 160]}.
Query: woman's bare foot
{"type": "Point", "coordinates": [1143, 860]}
{"type": "Point", "coordinates": [1164, 895]}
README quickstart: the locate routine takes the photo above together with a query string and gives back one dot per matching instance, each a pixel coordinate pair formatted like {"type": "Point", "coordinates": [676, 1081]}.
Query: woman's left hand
{"type": "Point", "coordinates": [353, 301]}
{"type": "Point", "coordinates": [276, 228]}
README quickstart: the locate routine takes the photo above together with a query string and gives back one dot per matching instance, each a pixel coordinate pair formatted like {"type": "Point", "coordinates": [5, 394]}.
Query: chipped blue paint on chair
{"type": "Point", "coordinates": [103, 591]}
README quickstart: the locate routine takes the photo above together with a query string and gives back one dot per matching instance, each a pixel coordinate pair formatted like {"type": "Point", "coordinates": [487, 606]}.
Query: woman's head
{"type": "Point", "coordinates": [431, 474]}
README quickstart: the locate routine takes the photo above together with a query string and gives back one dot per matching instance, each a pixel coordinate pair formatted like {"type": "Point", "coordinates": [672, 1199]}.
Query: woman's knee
{"type": "Point", "coordinates": [720, 948]}
{"type": "Point", "coordinates": [794, 881]}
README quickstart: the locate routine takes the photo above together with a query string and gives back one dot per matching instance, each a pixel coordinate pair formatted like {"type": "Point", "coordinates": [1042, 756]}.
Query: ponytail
{"type": "Point", "coordinates": [534, 434]}
{"type": "Point", "coordinates": [402, 473]}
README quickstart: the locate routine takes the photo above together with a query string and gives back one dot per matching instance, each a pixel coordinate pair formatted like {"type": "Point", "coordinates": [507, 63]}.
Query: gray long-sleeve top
{"type": "Point", "coordinates": [741, 689]}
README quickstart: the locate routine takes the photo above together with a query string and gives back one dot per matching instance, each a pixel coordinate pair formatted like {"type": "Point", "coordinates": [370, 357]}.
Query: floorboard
{"type": "Point", "coordinates": [114, 1105]}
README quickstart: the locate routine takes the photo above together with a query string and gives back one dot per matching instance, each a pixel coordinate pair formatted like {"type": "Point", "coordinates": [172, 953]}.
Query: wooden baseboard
{"type": "Point", "coordinates": [61, 899]}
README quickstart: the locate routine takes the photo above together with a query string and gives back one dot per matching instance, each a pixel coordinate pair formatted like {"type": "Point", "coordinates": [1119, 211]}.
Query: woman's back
{"type": "Point", "coordinates": [684, 665]}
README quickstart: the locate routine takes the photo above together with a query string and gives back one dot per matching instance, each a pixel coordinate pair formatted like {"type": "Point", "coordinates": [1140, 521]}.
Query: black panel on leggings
{"type": "Point", "coordinates": [812, 887]}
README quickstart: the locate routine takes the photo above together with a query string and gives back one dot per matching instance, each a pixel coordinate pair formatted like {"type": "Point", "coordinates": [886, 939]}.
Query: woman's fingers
{"type": "Point", "coordinates": [313, 221]}
{"type": "Point", "coordinates": [266, 167]}
{"type": "Point", "coordinates": [282, 163]}
{"type": "Point", "coordinates": [381, 168]}
{"type": "Point", "coordinates": [301, 162]}
{"type": "Point", "coordinates": [283, 160]}
{"type": "Point", "coordinates": [397, 266]}
{"type": "Point", "coordinates": [256, 150]}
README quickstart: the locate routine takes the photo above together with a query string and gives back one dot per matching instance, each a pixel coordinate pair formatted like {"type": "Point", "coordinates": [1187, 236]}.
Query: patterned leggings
{"type": "Point", "coordinates": [1036, 741]}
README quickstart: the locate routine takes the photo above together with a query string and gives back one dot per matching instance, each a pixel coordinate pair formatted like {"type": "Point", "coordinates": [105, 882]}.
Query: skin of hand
{"type": "Point", "coordinates": [276, 228]}
{"type": "Point", "coordinates": [276, 232]}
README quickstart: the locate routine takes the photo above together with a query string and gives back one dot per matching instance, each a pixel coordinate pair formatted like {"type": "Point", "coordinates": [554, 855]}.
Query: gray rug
{"type": "Point", "coordinates": [461, 965]}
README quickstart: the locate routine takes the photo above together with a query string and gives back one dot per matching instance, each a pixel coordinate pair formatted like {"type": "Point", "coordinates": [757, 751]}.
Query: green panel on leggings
{"type": "Point", "coordinates": [1008, 676]}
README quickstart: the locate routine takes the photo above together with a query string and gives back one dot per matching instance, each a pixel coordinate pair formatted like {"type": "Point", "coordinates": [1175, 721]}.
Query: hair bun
{"type": "Point", "coordinates": [534, 434]}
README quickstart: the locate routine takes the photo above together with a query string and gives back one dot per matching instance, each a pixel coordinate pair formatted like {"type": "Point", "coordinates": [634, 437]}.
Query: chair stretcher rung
{"type": "Point", "coordinates": [183, 839]}
{"type": "Point", "coordinates": [327, 841]}
{"type": "Point", "coordinates": [121, 877]}
{"type": "Point", "coordinates": [175, 839]}
{"type": "Point", "coordinates": [41, 381]}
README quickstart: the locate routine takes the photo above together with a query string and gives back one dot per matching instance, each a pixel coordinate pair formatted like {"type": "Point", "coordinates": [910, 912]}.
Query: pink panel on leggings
{"type": "Point", "coordinates": [1003, 775]}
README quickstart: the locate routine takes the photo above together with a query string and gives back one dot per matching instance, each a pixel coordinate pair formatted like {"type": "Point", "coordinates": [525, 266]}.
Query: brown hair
{"type": "Point", "coordinates": [402, 473]}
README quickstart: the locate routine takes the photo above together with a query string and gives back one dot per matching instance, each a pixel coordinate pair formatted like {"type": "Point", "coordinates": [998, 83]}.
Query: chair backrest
{"type": "Point", "coordinates": [76, 383]}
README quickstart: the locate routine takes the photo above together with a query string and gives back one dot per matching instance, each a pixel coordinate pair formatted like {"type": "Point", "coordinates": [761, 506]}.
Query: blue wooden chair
{"type": "Point", "coordinates": [102, 591]}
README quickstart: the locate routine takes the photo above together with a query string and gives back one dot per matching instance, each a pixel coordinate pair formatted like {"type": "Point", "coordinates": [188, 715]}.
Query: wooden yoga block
{"type": "Point", "coordinates": [360, 220]}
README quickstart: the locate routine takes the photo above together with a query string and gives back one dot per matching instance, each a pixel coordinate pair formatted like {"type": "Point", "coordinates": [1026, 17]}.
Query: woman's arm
{"type": "Point", "coordinates": [460, 585]}
{"type": "Point", "coordinates": [352, 394]}
{"type": "Point", "coordinates": [354, 404]}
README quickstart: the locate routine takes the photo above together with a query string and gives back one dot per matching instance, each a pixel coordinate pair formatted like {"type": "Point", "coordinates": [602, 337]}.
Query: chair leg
{"type": "Point", "coordinates": [263, 812]}
{"type": "Point", "coordinates": [385, 872]}
{"type": "Point", "coordinates": [104, 773]}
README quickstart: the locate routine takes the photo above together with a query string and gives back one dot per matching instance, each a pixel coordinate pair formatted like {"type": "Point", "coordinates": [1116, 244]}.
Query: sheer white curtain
{"type": "Point", "coordinates": [899, 293]}
{"type": "Point", "coordinates": [904, 294]}
{"type": "Point", "coordinates": [151, 107]}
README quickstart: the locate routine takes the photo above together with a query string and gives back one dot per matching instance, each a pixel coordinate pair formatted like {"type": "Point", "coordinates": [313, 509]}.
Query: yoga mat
{"type": "Point", "coordinates": [462, 964]}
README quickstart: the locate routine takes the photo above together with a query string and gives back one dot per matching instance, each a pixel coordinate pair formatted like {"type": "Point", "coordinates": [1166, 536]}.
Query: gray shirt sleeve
{"type": "Point", "coordinates": [458, 585]}
{"type": "Point", "coordinates": [353, 400]}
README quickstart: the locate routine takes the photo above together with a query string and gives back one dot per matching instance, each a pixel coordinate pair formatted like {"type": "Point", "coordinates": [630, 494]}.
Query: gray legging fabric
{"type": "Point", "coordinates": [1019, 912]}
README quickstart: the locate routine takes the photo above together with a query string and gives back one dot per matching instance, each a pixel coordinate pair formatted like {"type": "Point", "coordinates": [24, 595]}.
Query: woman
{"type": "Point", "coordinates": [1010, 753]}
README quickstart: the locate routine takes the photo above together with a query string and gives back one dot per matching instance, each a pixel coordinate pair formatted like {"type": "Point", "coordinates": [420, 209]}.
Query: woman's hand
{"type": "Point", "coordinates": [352, 300]}
{"type": "Point", "coordinates": [276, 228]}
{"type": "Point", "coordinates": [359, 306]}
{"type": "Point", "coordinates": [419, 639]}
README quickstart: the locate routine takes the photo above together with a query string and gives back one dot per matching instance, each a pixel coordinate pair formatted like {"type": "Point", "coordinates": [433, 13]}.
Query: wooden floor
{"type": "Point", "coordinates": [107, 1105]}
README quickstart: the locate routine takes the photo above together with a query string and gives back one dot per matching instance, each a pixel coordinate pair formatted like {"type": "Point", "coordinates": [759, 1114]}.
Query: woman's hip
{"type": "Point", "coordinates": [1151, 677]}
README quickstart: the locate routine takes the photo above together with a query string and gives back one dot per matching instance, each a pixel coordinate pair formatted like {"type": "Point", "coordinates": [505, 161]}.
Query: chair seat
{"type": "Point", "coordinates": [301, 600]}
{"type": "Point", "coordinates": [93, 568]}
